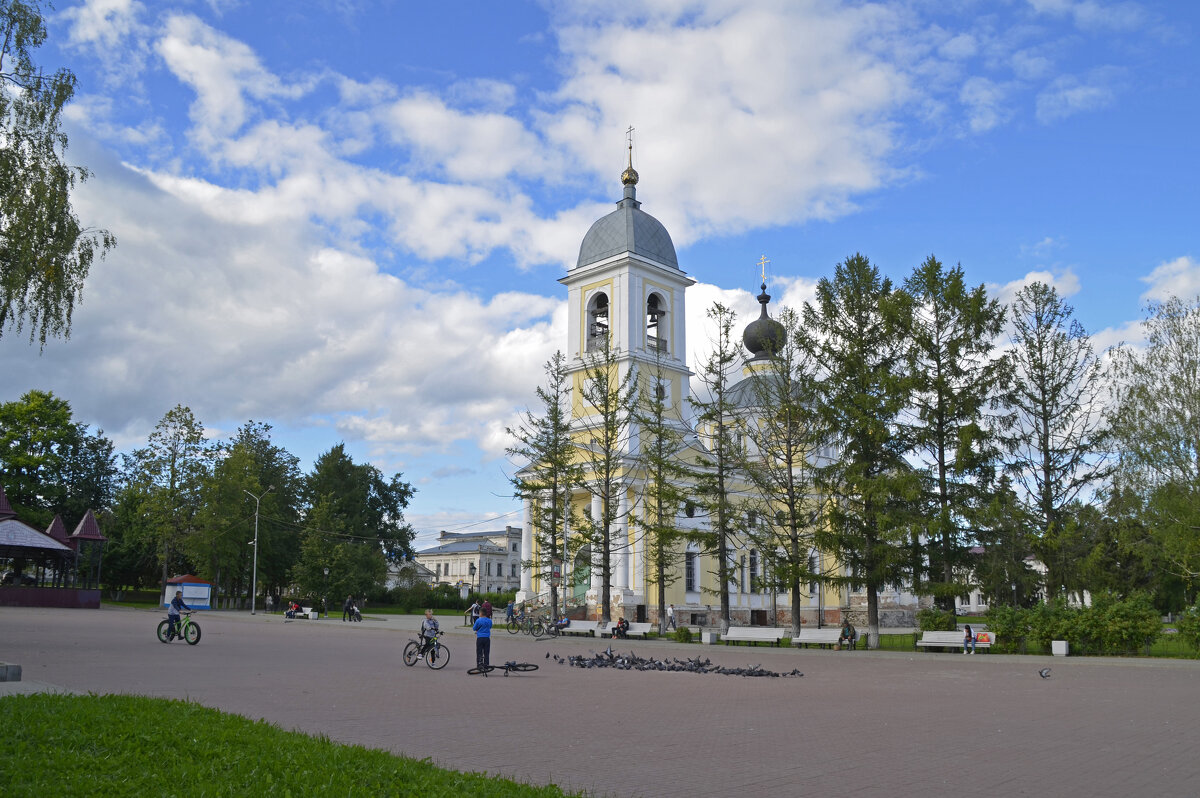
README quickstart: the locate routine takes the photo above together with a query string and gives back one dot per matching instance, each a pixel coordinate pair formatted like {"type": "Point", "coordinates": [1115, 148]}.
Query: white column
{"type": "Point", "coordinates": [527, 548]}
{"type": "Point", "coordinates": [597, 577]}
{"type": "Point", "coordinates": [621, 547]}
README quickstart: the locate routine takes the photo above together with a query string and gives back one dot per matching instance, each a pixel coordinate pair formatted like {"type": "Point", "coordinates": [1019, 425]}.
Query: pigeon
{"type": "Point", "coordinates": [1044, 673]}
{"type": "Point", "coordinates": [547, 655]}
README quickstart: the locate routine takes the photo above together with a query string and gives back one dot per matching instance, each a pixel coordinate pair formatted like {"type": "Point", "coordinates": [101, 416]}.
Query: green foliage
{"type": "Point", "coordinates": [1188, 626]}
{"type": "Point", "coordinates": [1011, 626]}
{"type": "Point", "coordinates": [933, 619]}
{"type": "Point", "coordinates": [50, 746]}
{"type": "Point", "coordinates": [1118, 626]}
{"type": "Point", "coordinates": [682, 634]}
{"type": "Point", "coordinates": [1052, 621]}
{"type": "Point", "coordinates": [856, 332]}
{"type": "Point", "coordinates": [548, 471]}
{"type": "Point", "coordinates": [50, 464]}
{"type": "Point", "coordinates": [45, 254]}
{"type": "Point", "coordinates": [957, 378]}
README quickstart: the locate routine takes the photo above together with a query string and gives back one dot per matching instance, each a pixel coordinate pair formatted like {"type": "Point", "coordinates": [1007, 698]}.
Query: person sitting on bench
{"type": "Point", "coordinates": [621, 629]}
{"type": "Point", "coordinates": [847, 636]}
{"type": "Point", "coordinates": [563, 623]}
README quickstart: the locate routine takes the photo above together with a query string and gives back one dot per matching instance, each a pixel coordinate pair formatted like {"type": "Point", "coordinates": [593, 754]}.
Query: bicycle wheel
{"type": "Point", "coordinates": [513, 627]}
{"type": "Point", "coordinates": [537, 630]}
{"type": "Point", "coordinates": [412, 653]}
{"type": "Point", "coordinates": [162, 631]}
{"type": "Point", "coordinates": [477, 670]}
{"type": "Point", "coordinates": [192, 633]}
{"type": "Point", "coordinates": [522, 667]}
{"type": "Point", "coordinates": [437, 657]}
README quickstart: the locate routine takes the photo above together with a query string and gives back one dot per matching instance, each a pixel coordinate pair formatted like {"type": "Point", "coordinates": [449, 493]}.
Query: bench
{"type": "Point", "coordinates": [826, 638]}
{"type": "Point", "coordinates": [954, 639]}
{"type": "Point", "coordinates": [635, 629]}
{"type": "Point", "coordinates": [585, 628]}
{"type": "Point", "coordinates": [754, 634]}
{"type": "Point", "coordinates": [303, 612]}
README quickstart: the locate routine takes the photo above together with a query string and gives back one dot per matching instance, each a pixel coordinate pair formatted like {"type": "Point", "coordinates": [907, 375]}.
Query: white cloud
{"type": "Point", "coordinates": [1066, 283]}
{"type": "Point", "coordinates": [1177, 278]}
{"type": "Point", "coordinates": [1093, 14]}
{"type": "Point", "coordinates": [1069, 94]}
{"type": "Point", "coordinates": [984, 100]}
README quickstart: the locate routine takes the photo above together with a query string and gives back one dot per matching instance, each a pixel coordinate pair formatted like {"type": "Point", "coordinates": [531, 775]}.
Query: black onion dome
{"type": "Point", "coordinates": [764, 336]}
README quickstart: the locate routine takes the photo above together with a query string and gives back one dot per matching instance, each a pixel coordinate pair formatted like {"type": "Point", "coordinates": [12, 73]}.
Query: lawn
{"type": "Point", "coordinates": [128, 745]}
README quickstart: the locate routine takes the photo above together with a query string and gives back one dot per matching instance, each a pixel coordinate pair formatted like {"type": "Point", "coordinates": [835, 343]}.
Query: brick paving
{"type": "Point", "coordinates": [858, 723]}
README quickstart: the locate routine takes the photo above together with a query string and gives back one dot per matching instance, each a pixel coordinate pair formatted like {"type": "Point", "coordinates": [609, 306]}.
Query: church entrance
{"type": "Point", "coordinates": [581, 574]}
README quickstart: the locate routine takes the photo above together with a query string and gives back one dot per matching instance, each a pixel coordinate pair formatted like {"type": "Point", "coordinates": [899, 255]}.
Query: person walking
{"type": "Point", "coordinates": [508, 612]}
{"type": "Point", "coordinates": [347, 607]}
{"type": "Point", "coordinates": [483, 637]}
{"type": "Point", "coordinates": [670, 616]}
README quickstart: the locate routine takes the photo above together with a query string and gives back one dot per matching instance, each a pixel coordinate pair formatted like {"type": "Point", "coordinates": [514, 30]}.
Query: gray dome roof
{"type": "Point", "coordinates": [764, 336]}
{"type": "Point", "coordinates": [627, 229]}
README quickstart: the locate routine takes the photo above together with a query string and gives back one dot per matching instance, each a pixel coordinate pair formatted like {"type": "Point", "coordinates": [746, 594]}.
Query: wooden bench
{"type": "Point", "coordinates": [635, 629]}
{"type": "Point", "coordinates": [585, 628]}
{"type": "Point", "coordinates": [826, 638]}
{"type": "Point", "coordinates": [954, 639]}
{"type": "Point", "coordinates": [754, 634]}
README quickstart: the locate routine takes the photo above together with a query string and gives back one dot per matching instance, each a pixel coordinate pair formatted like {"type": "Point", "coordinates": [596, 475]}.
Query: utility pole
{"type": "Point", "coordinates": [254, 573]}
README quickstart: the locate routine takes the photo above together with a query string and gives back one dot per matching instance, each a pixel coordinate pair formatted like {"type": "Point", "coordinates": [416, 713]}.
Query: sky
{"type": "Point", "coordinates": [348, 218]}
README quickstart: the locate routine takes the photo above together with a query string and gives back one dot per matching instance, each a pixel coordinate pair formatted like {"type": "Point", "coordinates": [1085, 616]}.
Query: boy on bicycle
{"type": "Point", "coordinates": [429, 628]}
{"type": "Point", "coordinates": [173, 614]}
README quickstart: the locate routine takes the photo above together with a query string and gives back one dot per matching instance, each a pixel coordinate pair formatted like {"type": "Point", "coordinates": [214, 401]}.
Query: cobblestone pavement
{"type": "Point", "coordinates": [858, 723]}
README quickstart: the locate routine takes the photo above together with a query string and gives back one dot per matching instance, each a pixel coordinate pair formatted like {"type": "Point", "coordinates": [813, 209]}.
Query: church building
{"type": "Point", "coordinates": [627, 293]}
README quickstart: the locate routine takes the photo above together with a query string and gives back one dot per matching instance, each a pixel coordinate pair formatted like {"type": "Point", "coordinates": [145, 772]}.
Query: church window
{"type": "Point", "coordinates": [689, 509]}
{"type": "Point", "coordinates": [753, 570]}
{"type": "Point", "coordinates": [751, 519]}
{"type": "Point", "coordinates": [514, 571]}
{"type": "Point", "coordinates": [597, 331]}
{"type": "Point", "coordinates": [689, 571]}
{"type": "Point", "coordinates": [656, 331]}
{"type": "Point", "coordinates": [812, 569]}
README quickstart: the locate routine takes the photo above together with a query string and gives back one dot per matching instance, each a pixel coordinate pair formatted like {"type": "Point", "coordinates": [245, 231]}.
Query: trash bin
{"type": "Point", "coordinates": [1059, 648]}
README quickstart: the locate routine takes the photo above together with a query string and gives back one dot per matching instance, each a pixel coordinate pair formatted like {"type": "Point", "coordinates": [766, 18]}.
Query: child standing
{"type": "Point", "coordinates": [483, 637]}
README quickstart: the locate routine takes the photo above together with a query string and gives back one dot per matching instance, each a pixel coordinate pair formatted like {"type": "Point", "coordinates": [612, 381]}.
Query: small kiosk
{"type": "Point", "coordinates": [197, 593]}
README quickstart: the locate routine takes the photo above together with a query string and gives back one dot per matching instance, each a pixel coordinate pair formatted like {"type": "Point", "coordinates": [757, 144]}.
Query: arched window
{"type": "Point", "coordinates": [753, 570]}
{"type": "Point", "coordinates": [597, 331]}
{"type": "Point", "coordinates": [656, 328]}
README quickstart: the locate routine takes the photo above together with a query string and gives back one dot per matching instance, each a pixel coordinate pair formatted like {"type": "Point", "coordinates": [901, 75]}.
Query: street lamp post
{"type": "Point", "coordinates": [325, 599]}
{"type": "Point", "coordinates": [254, 573]}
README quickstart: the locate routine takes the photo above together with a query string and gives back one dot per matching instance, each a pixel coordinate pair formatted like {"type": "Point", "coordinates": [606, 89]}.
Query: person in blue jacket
{"type": "Point", "coordinates": [483, 637]}
{"type": "Point", "coordinates": [173, 614]}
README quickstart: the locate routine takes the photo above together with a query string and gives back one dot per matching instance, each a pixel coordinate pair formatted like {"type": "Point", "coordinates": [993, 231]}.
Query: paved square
{"type": "Point", "coordinates": [858, 723]}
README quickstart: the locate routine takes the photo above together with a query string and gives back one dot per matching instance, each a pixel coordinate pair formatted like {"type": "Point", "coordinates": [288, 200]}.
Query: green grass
{"type": "Point", "coordinates": [127, 745]}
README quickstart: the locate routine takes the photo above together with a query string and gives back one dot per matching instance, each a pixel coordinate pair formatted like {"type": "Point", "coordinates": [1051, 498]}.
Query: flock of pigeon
{"type": "Point", "coordinates": [632, 662]}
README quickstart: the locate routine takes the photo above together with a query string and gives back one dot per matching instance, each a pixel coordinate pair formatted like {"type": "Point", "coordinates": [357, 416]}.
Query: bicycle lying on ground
{"type": "Point", "coordinates": [186, 628]}
{"type": "Point", "coordinates": [508, 667]}
{"type": "Point", "coordinates": [530, 626]}
{"type": "Point", "coordinates": [436, 655]}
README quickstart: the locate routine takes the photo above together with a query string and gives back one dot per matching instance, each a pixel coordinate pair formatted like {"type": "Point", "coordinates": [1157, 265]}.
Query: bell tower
{"type": "Point", "coordinates": [627, 290]}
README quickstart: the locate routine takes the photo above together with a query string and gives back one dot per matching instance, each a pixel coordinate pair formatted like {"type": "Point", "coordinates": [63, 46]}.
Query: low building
{"type": "Point", "coordinates": [484, 562]}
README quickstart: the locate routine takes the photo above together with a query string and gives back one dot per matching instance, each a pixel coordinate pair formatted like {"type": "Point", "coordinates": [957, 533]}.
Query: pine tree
{"type": "Point", "coordinates": [607, 396]}
{"type": "Point", "coordinates": [958, 380]}
{"type": "Point", "coordinates": [721, 428]}
{"type": "Point", "coordinates": [787, 440]}
{"type": "Point", "coordinates": [857, 334]}
{"type": "Point", "coordinates": [662, 470]}
{"type": "Point", "coordinates": [1059, 435]}
{"type": "Point", "coordinates": [549, 471]}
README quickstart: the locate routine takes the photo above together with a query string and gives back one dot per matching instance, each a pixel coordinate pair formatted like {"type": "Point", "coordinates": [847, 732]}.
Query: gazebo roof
{"type": "Point", "coordinates": [58, 530]}
{"type": "Point", "coordinates": [6, 510]}
{"type": "Point", "coordinates": [88, 529]}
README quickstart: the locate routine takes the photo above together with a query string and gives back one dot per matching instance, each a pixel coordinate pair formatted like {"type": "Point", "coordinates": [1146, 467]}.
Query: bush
{"type": "Point", "coordinates": [1188, 626]}
{"type": "Point", "coordinates": [1010, 625]}
{"type": "Point", "coordinates": [1053, 621]}
{"type": "Point", "coordinates": [935, 620]}
{"type": "Point", "coordinates": [682, 635]}
{"type": "Point", "coordinates": [1118, 626]}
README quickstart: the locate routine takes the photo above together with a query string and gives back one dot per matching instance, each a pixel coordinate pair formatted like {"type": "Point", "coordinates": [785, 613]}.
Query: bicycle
{"type": "Point", "coordinates": [530, 626]}
{"type": "Point", "coordinates": [186, 628]}
{"type": "Point", "coordinates": [436, 655]}
{"type": "Point", "coordinates": [508, 667]}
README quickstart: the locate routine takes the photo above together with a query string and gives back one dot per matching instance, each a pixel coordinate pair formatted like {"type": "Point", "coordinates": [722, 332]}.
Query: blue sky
{"type": "Point", "coordinates": [348, 218]}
